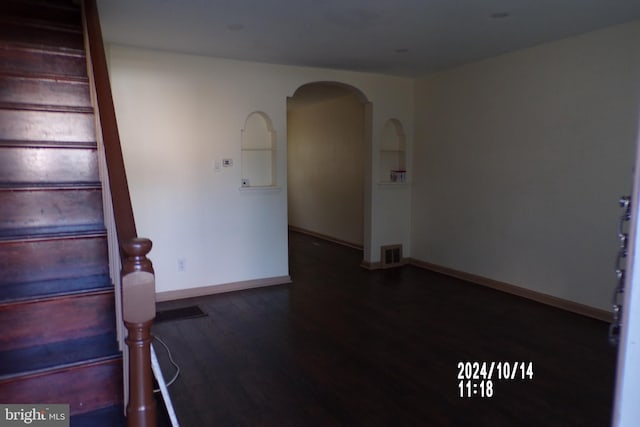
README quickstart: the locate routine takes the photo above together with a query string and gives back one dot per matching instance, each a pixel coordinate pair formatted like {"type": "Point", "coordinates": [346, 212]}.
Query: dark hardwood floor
{"type": "Point", "coordinates": [343, 346]}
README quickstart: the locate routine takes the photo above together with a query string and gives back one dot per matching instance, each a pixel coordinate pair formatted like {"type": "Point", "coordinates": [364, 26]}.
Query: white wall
{"type": "Point", "coordinates": [325, 169]}
{"type": "Point", "coordinates": [520, 160]}
{"type": "Point", "coordinates": [177, 114]}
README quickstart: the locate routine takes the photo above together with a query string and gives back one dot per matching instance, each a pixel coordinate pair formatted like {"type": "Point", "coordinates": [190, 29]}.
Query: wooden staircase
{"type": "Point", "coordinates": [57, 306]}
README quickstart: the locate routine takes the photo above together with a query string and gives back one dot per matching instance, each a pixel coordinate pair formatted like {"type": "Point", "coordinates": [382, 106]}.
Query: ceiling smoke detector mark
{"type": "Point", "coordinates": [500, 15]}
{"type": "Point", "coordinates": [235, 27]}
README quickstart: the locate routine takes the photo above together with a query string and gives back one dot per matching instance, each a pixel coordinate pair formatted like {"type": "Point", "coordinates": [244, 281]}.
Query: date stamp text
{"type": "Point", "coordinates": [478, 379]}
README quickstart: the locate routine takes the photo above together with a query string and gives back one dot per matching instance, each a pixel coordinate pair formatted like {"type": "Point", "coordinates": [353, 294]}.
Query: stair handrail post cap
{"type": "Point", "coordinates": [137, 246]}
{"type": "Point", "coordinates": [135, 251]}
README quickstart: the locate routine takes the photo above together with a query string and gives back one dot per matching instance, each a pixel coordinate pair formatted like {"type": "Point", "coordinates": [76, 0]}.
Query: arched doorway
{"type": "Point", "coordinates": [328, 162]}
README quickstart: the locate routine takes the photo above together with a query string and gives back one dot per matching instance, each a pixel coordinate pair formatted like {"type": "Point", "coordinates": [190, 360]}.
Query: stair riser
{"type": "Point", "coordinates": [30, 126]}
{"type": "Point", "coordinates": [56, 320]}
{"type": "Point", "coordinates": [43, 165]}
{"type": "Point", "coordinates": [17, 90]}
{"type": "Point", "coordinates": [31, 261]}
{"type": "Point", "coordinates": [84, 388]}
{"type": "Point", "coordinates": [38, 62]}
{"type": "Point", "coordinates": [24, 10]}
{"type": "Point", "coordinates": [14, 32]}
{"type": "Point", "coordinates": [50, 208]}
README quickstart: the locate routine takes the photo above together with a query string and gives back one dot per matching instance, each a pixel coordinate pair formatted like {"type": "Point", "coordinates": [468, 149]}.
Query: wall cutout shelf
{"type": "Point", "coordinates": [258, 152]}
{"type": "Point", "coordinates": [393, 153]}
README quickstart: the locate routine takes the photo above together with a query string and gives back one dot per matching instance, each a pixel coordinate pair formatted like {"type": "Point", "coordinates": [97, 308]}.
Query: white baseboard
{"type": "Point", "coordinates": [561, 303]}
{"type": "Point", "coordinates": [325, 237]}
{"type": "Point", "coordinates": [377, 265]}
{"type": "Point", "coordinates": [217, 289]}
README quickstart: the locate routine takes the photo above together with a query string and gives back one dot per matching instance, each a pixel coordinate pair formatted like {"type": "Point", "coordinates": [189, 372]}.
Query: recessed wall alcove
{"type": "Point", "coordinates": [393, 153]}
{"type": "Point", "coordinates": [258, 147]}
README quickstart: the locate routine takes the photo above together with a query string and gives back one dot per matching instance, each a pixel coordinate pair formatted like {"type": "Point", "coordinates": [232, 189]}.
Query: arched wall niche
{"type": "Point", "coordinates": [348, 180]}
{"type": "Point", "coordinates": [393, 152]}
{"type": "Point", "coordinates": [258, 146]}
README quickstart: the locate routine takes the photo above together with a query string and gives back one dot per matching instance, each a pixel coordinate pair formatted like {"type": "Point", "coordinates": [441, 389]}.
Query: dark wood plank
{"type": "Point", "coordinates": [346, 346]}
{"type": "Point", "coordinates": [29, 165]}
{"type": "Point", "coordinates": [42, 63]}
{"type": "Point", "coordinates": [40, 35]}
{"type": "Point", "coordinates": [32, 323]}
{"type": "Point", "coordinates": [49, 288]}
{"type": "Point", "coordinates": [41, 12]}
{"type": "Point", "coordinates": [49, 208]}
{"type": "Point", "coordinates": [51, 355]}
{"type": "Point", "coordinates": [43, 92]}
{"type": "Point", "coordinates": [85, 388]}
{"type": "Point", "coordinates": [48, 259]}
{"type": "Point", "coordinates": [21, 125]}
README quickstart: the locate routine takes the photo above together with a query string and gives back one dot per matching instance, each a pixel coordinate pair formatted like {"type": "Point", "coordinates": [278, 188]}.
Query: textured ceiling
{"type": "Point", "coordinates": [402, 37]}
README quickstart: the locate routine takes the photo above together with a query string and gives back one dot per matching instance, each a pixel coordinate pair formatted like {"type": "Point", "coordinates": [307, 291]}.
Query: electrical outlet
{"type": "Point", "coordinates": [182, 265]}
{"type": "Point", "coordinates": [227, 162]}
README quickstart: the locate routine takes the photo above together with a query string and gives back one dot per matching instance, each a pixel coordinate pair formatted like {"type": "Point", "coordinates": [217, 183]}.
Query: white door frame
{"type": "Point", "coordinates": [626, 407]}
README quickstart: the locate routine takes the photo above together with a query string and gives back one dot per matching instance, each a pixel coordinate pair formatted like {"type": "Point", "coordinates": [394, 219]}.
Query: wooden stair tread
{"type": "Point", "coordinates": [26, 125]}
{"type": "Point", "coordinates": [15, 292]}
{"type": "Point", "coordinates": [41, 48]}
{"type": "Point", "coordinates": [34, 92]}
{"type": "Point", "coordinates": [30, 75]}
{"type": "Point", "coordinates": [30, 60]}
{"type": "Point", "coordinates": [41, 258]}
{"type": "Point", "coordinates": [44, 186]}
{"type": "Point", "coordinates": [46, 143]}
{"type": "Point", "coordinates": [51, 233]}
{"type": "Point", "coordinates": [46, 210]}
{"type": "Point", "coordinates": [56, 318]}
{"type": "Point", "coordinates": [57, 356]}
{"type": "Point", "coordinates": [49, 4]}
{"type": "Point", "coordinates": [40, 36]}
{"type": "Point", "coordinates": [86, 387]}
{"type": "Point", "coordinates": [55, 166]}
{"type": "Point", "coordinates": [45, 107]}
{"type": "Point", "coordinates": [17, 17]}
{"type": "Point", "coordinates": [53, 78]}
{"type": "Point", "coordinates": [46, 17]}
